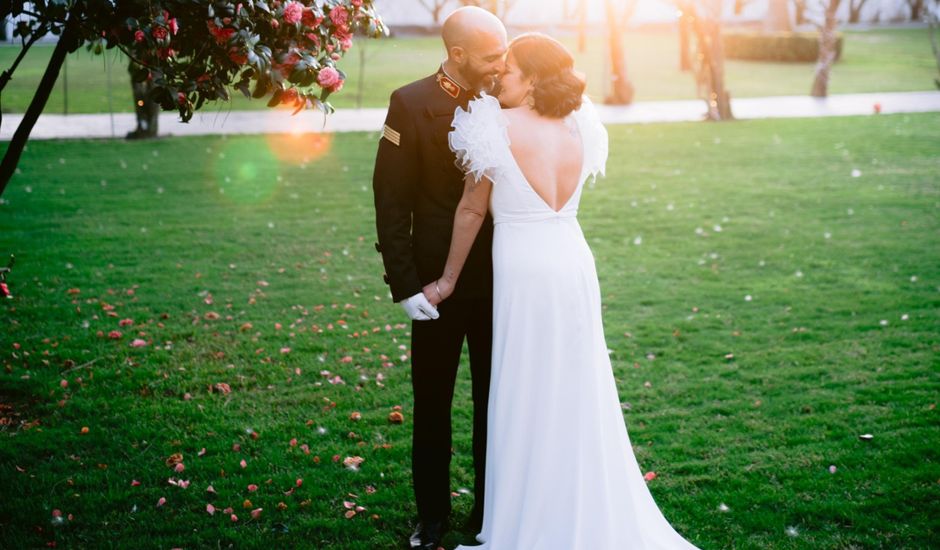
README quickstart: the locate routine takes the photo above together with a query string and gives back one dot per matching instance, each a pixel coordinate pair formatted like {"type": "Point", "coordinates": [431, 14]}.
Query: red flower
{"type": "Point", "coordinates": [237, 56]}
{"type": "Point", "coordinates": [159, 33]}
{"type": "Point", "coordinates": [330, 79]}
{"type": "Point", "coordinates": [308, 19]}
{"type": "Point", "coordinates": [174, 26]}
{"type": "Point", "coordinates": [339, 16]}
{"type": "Point", "coordinates": [181, 98]}
{"type": "Point", "coordinates": [139, 36]}
{"type": "Point", "coordinates": [293, 11]}
{"type": "Point", "coordinates": [289, 96]}
{"type": "Point", "coordinates": [222, 35]}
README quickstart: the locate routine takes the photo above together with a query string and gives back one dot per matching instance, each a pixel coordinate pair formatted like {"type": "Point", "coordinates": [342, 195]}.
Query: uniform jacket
{"type": "Point", "coordinates": [417, 188]}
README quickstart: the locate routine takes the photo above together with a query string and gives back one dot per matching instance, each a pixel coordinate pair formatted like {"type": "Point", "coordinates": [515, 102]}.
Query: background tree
{"type": "Point", "coordinates": [778, 16]}
{"type": "Point", "coordinates": [917, 8]}
{"type": "Point", "coordinates": [195, 51]}
{"type": "Point", "coordinates": [685, 9]}
{"type": "Point", "coordinates": [799, 12]}
{"type": "Point", "coordinates": [855, 10]}
{"type": "Point", "coordinates": [499, 8]}
{"type": "Point", "coordinates": [435, 8]}
{"type": "Point", "coordinates": [617, 16]}
{"type": "Point", "coordinates": [577, 10]}
{"type": "Point", "coordinates": [710, 58]}
{"type": "Point", "coordinates": [828, 39]}
{"type": "Point", "coordinates": [933, 22]}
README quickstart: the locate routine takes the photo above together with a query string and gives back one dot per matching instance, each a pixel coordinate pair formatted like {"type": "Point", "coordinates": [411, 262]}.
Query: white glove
{"type": "Point", "coordinates": [419, 308]}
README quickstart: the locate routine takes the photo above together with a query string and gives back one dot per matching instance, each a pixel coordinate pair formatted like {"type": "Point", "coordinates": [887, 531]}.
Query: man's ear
{"type": "Point", "coordinates": [458, 55]}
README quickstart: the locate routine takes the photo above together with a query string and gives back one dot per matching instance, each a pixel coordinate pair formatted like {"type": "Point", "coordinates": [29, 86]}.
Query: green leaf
{"type": "Point", "coordinates": [276, 98]}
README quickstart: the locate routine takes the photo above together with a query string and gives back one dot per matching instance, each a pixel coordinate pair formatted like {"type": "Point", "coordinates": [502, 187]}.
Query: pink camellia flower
{"type": "Point", "coordinates": [649, 476]}
{"type": "Point", "coordinates": [210, 508]}
{"type": "Point", "coordinates": [309, 20]}
{"type": "Point", "coordinates": [293, 11]}
{"type": "Point", "coordinates": [252, 488]}
{"type": "Point", "coordinates": [356, 3]}
{"type": "Point", "coordinates": [256, 513]}
{"type": "Point", "coordinates": [162, 501]}
{"type": "Point", "coordinates": [339, 16]}
{"type": "Point", "coordinates": [114, 335]}
{"type": "Point", "coordinates": [125, 322]}
{"type": "Point", "coordinates": [222, 35]}
{"type": "Point", "coordinates": [330, 79]}
{"type": "Point", "coordinates": [181, 98]}
{"type": "Point", "coordinates": [179, 467]}
{"type": "Point", "coordinates": [139, 36]}
{"type": "Point", "coordinates": [137, 342]}
{"type": "Point", "coordinates": [237, 57]}
{"type": "Point", "coordinates": [159, 33]}
{"type": "Point", "coordinates": [275, 23]}
{"type": "Point", "coordinates": [174, 26]}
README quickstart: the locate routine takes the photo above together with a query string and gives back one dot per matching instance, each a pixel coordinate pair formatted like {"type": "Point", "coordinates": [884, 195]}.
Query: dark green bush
{"type": "Point", "coordinates": [779, 46]}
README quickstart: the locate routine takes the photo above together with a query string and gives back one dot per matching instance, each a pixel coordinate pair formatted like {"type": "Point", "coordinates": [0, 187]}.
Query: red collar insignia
{"type": "Point", "coordinates": [450, 87]}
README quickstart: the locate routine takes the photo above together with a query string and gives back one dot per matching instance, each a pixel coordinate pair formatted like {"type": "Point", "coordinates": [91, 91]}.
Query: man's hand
{"type": "Point", "coordinates": [419, 308]}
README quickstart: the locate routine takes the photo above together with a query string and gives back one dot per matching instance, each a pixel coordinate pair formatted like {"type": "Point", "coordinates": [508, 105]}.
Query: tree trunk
{"type": "Point", "coordinates": [855, 10]}
{"type": "Point", "coordinates": [827, 51]}
{"type": "Point", "coordinates": [799, 12]}
{"type": "Point", "coordinates": [778, 16]}
{"type": "Point", "coordinates": [917, 9]}
{"type": "Point", "coordinates": [710, 74]}
{"type": "Point", "coordinates": [15, 148]}
{"type": "Point", "coordinates": [622, 89]}
{"type": "Point", "coordinates": [933, 21]}
{"type": "Point", "coordinates": [685, 35]}
{"type": "Point", "coordinates": [582, 26]}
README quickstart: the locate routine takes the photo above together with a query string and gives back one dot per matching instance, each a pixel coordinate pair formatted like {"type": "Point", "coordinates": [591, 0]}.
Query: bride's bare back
{"type": "Point", "coordinates": [548, 152]}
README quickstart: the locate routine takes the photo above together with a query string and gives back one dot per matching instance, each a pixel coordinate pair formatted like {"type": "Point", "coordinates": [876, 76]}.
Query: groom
{"type": "Point", "coordinates": [417, 188]}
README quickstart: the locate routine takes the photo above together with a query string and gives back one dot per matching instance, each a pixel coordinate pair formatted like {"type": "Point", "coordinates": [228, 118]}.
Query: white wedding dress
{"type": "Point", "coordinates": [560, 471]}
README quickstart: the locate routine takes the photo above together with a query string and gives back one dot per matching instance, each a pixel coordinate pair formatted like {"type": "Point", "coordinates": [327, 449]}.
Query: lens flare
{"type": "Point", "coordinates": [299, 147]}
{"type": "Point", "coordinates": [244, 171]}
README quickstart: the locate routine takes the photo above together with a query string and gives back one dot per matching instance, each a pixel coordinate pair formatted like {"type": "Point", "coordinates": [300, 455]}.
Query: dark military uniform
{"type": "Point", "coordinates": [417, 188]}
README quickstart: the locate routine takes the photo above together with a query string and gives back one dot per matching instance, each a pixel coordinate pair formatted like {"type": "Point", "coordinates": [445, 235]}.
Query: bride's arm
{"type": "Point", "coordinates": [467, 222]}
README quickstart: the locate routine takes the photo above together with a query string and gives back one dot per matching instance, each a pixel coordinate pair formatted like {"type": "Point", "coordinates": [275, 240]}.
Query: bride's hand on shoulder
{"type": "Point", "coordinates": [437, 291]}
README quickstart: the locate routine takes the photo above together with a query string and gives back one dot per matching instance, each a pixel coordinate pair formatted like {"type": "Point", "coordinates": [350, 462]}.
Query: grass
{"type": "Point", "coordinates": [883, 60]}
{"type": "Point", "coordinates": [207, 244]}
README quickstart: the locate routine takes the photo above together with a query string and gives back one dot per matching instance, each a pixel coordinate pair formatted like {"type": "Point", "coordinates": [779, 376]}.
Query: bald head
{"type": "Point", "coordinates": [476, 45]}
{"type": "Point", "coordinates": [467, 27]}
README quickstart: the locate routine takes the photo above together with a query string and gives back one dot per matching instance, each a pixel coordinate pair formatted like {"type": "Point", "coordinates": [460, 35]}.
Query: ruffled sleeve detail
{"type": "Point", "coordinates": [594, 137]}
{"type": "Point", "coordinates": [479, 138]}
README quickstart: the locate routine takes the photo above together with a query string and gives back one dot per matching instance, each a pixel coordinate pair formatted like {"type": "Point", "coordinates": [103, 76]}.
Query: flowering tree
{"type": "Point", "coordinates": [195, 51]}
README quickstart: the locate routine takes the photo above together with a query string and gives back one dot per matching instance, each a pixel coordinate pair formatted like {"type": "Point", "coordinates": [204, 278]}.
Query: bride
{"type": "Point", "coordinates": [561, 474]}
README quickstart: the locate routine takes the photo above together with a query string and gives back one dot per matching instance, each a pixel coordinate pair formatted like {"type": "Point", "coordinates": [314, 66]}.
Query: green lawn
{"type": "Point", "coordinates": [220, 252]}
{"type": "Point", "coordinates": [874, 61]}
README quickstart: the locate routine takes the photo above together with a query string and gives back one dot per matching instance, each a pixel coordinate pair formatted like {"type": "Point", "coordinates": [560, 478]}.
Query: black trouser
{"type": "Point", "coordinates": [435, 355]}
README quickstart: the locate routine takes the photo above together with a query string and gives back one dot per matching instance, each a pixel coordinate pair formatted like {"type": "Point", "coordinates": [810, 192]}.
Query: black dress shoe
{"type": "Point", "coordinates": [427, 535]}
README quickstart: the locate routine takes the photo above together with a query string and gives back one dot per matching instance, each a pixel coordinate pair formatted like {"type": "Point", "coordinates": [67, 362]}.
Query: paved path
{"type": "Point", "coordinates": [211, 122]}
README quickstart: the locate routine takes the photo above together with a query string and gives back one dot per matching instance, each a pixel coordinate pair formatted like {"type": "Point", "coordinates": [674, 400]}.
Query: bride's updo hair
{"type": "Point", "coordinates": [557, 89]}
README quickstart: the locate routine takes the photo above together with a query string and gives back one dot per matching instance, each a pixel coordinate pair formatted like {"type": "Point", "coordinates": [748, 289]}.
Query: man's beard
{"type": "Point", "coordinates": [480, 82]}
